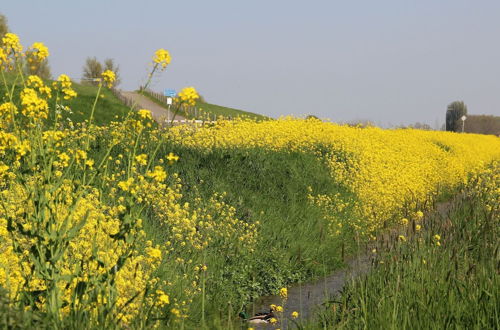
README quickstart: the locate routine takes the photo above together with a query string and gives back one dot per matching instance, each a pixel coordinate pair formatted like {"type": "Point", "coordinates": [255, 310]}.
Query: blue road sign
{"type": "Point", "coordinates": [170, 92]}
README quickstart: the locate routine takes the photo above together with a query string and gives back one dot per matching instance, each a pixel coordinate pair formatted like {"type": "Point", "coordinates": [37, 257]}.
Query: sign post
{"type": "Point", "coordinates": [463, 122]}
{"type": "Point", "coordinates": [170, 94]}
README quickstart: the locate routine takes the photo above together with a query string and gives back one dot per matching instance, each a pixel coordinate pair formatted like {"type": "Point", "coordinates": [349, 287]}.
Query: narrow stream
{"type": "Point", "coordinates": [305, 298]}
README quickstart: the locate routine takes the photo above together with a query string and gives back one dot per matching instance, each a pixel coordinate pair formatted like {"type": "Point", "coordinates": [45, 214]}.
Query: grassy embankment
{"type": "Point", "coordinates": [444, 276]}
{"type": "Point", "coordinates": [208, 111]}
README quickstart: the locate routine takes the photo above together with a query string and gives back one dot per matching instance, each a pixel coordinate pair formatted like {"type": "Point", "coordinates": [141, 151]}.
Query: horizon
{"type": "Point", "coordinates": [391, 63]}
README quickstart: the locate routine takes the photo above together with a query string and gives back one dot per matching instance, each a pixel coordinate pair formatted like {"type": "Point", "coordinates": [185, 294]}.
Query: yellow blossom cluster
{"type": "Point", "coordinates": [3, 57]}
{"type": "Point", "coordinates": [162, 58]}
{"type": "Point", "coordinates": [64, 84]}
{"type": "Point", "coordinates": [39, 51]}
{"type": "Point", "coordinates": [7, 112]}
{"type": "Point", "coordinates": [33, 106]}
{"type": "Point", "coordinates": [145, 114]}
{"type": "Point", "coordinates": [384, 169]}
{"type": "Point", "coordinates": [188, 96]}
{"type": "Point", "coordinates": [109, 78]}
{"type": "Point", "coordinates": [37, 83]}
{"type": "Point", "coordinates": [11, 43]}
{"type": "Point", "coordinates": [485, 184]}
{"type": "Point", "coordinates": [71, 235]}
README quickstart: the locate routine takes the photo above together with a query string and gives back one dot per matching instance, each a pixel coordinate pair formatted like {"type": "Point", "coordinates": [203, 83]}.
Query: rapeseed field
{"type": "Point", "coordinates": [133, 225]}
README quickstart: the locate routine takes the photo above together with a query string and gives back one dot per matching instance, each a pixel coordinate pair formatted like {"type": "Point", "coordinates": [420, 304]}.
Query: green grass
{"type": "Point", "coordinates": [226, 112]}
{"type": "Point", "coordinates": [420, 285]}
{"type": "Point", "coordinates": [109, 108]}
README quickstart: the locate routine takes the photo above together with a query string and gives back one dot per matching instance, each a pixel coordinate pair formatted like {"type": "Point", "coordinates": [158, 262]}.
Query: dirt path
{"type": "Point", "coordinates": [160, 114]}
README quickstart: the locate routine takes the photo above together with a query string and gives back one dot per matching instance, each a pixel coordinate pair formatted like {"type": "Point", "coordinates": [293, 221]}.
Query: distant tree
{"type": "Point", "coordinates": [361, 123]}
{"type": "Point", "coordinates": [312, 117]}
{"type": "Point", "coordinates": [422, 126]}
{"type": "Point", "coordinates": [4, 28]}
{"type": "Point", "coordinates": [91, 70]}
{"type": "Point", "coordinates": [454, 112]}
{"type": "Point", "coordinates": [109, 64]}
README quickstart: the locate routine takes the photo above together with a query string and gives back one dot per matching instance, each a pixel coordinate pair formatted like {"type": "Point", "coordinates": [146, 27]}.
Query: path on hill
{"type": "Point", "coordinates": [159, 113]}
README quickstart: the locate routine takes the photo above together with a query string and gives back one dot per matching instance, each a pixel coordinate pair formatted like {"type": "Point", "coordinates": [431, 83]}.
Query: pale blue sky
{"type": "Point", "coordinates": [394, 62]}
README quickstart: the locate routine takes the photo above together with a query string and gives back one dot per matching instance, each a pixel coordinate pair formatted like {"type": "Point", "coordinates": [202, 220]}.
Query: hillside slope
{"type": "Point", "coordinates": [206, 111]}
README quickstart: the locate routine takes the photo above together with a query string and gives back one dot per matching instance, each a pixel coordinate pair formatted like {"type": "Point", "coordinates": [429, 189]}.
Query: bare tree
{"type": "Point", "coordinates": [91, 70]}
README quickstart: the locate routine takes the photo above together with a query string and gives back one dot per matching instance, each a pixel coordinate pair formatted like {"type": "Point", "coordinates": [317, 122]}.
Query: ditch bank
{"type": "Point", "coordinates": [307, 298]}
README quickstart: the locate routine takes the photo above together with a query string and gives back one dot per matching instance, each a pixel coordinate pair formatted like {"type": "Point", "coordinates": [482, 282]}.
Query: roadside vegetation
{"type": "Point", "coordinates": [121, 224]}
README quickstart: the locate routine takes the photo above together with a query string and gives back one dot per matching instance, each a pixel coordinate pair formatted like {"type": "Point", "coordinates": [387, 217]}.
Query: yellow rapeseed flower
{"type": "Point", "coordinates": [33, 106]}
{"type": "Point", "coordinates": [39, 51]}
{"type": "Point", "coordinates": [11, 43]}
{"type": "Point", "coordinates": [3, 57]}
{"type": "Point", "coordinates": [162, 57]}
{"type": "Point", "coordinates": [144, 114]}
{"type": "Point", "coordinates": [188, 95]}
{"type": "Point", "coordinates": [284, 293]}
{"type": "Point", "coordinates": [158, 174]}
{"type": "Point", "coordinates": [142, 159]}
{"type": "Point", "coordinates": [64, 83]}
{"type": "Point", "coordinates": [172, 158]}
{"type": "Point", "coordinates": [109, 77]}
{"type": "Point", "coordinates": [163, 298]}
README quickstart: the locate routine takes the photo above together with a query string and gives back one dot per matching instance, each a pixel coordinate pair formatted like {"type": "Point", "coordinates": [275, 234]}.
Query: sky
{"type": "Point", "coordinates": [392, 62]}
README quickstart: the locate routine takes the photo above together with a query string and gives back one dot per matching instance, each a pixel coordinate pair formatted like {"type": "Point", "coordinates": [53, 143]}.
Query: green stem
{"type": "Point", "coordinates": [55, 110]}
{"type": "Point", "coordinates": [176, 112]}
{"type": "Point", "coordinates": [131, 158]}
{"type": "Point", "coordinates": [21, 73]}
{"type": "Point", "coordinates": [10, 100]}
{"type": "Point", "coordinates": [92, 115]}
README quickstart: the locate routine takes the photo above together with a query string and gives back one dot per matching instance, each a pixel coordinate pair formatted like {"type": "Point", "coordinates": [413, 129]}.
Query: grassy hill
{"type": "Point", "coordinates": [204, 110]}
{"type": "Point", "coordinates": [108, 108]}
{"type": "Point", "coordinates": [218, 110]}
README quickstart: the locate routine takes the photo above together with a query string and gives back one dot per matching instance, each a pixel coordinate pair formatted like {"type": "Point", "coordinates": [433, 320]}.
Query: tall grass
{"type": "Point", "coordinates": [433, 282]}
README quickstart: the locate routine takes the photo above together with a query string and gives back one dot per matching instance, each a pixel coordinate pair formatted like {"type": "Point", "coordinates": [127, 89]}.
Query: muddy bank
{"type": "Point", "coordinates": [304, 298]}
